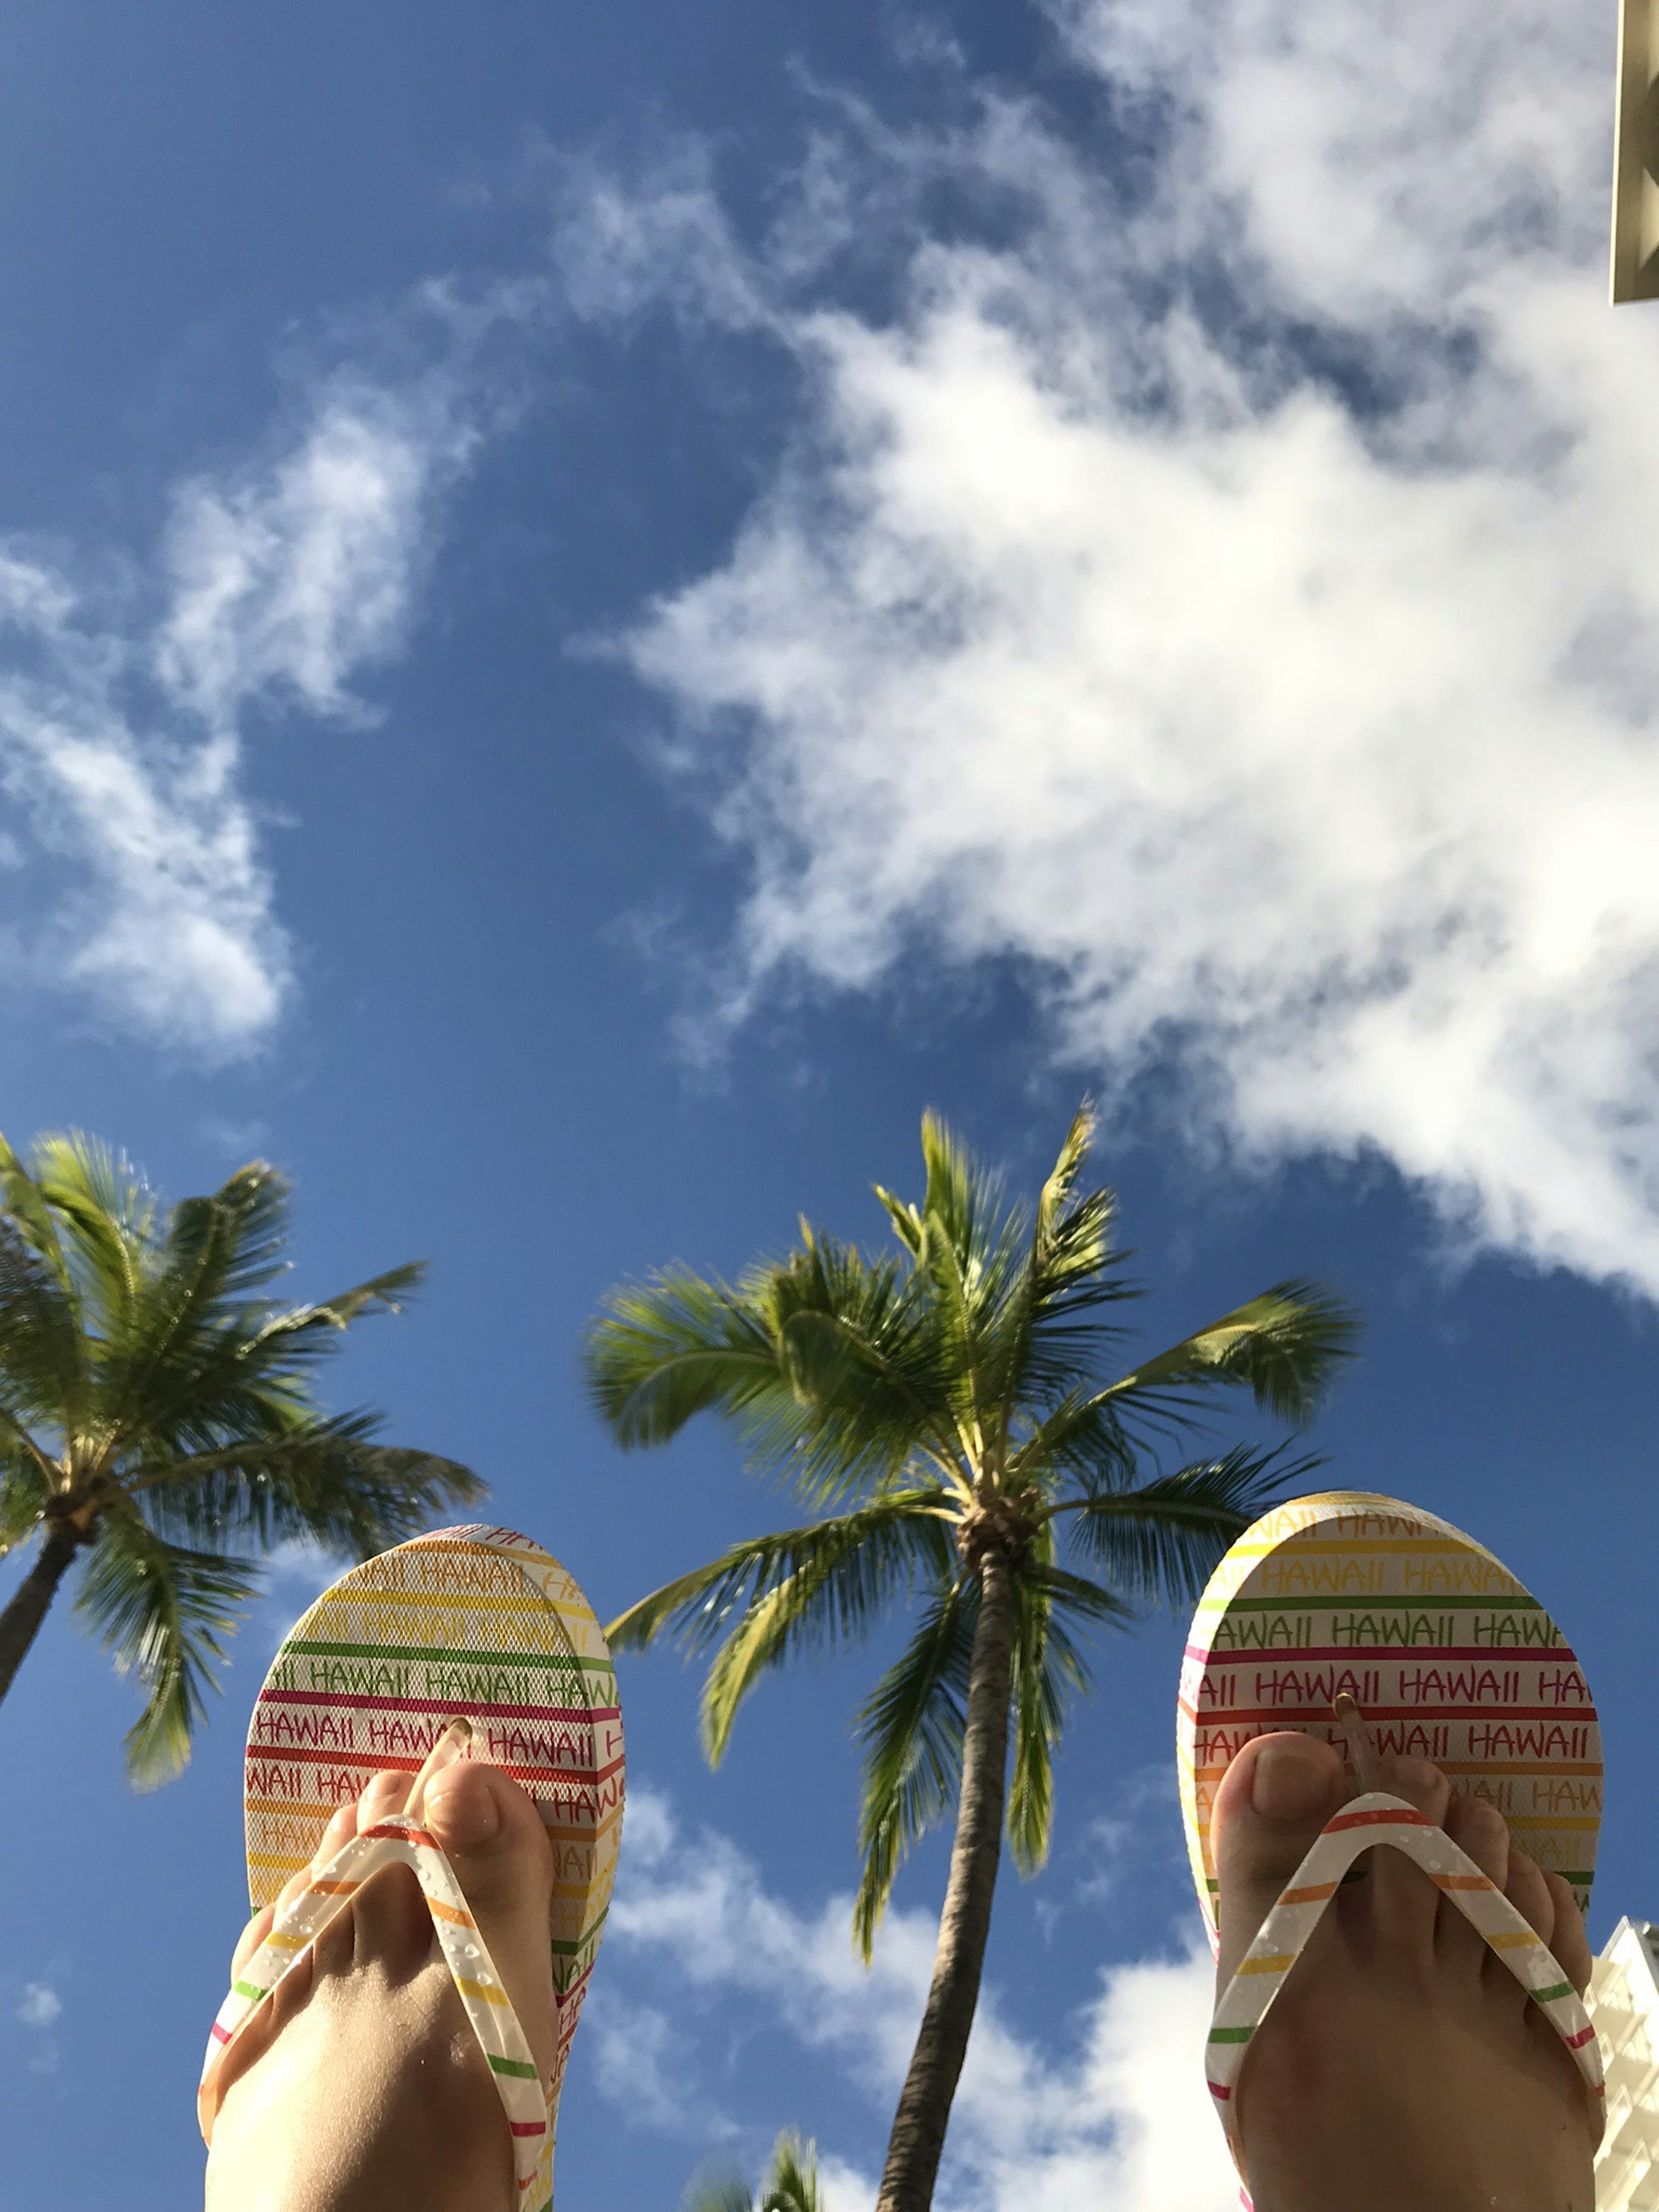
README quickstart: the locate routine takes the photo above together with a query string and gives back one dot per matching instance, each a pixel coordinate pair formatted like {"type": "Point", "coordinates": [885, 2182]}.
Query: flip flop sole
{"type": "Point", "coordinates": [473, 1623]}
{"type": "Point", "coordinates": [1445, 1653]}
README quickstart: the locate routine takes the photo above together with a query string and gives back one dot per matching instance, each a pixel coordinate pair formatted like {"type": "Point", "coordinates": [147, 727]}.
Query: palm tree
{"type": "Point", "coordinates": [943, 1412]}
{"type": "Point", "coordinates": [790, 2185]}
{"type": "Point", "coordinates": [156, 1413]}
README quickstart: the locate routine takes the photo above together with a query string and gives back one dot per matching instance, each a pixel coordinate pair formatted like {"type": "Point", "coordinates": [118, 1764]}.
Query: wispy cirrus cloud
{"type": "Point", "coordinates": [1209, 565]}
{"type": "Point", "coordinates": [136, 875]}
{"type": "Point", "coordinates": [291, 578]}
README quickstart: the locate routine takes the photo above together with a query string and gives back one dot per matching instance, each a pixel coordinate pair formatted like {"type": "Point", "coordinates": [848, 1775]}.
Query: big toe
{"type": "Point", "coordinates": [1273, 1800]}
{"type": "Point", "coordinates": [493, 1838]}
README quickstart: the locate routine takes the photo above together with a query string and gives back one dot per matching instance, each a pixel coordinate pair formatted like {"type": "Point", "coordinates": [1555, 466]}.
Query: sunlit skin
{"type": "Point", "coordinates": [360, 2085]}
{"type": "Point", "coordinates": [1401, 2064]}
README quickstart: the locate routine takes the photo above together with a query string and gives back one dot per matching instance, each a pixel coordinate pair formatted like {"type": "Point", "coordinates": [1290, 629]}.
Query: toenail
{"type": "Point", "coordinates": [1481, 1822]}
{"type": "Point", "coordinates": [464, 1808]}
{"type": "Point", "coordinates": [1289, 1781]}
{"type": "Point", "coordinates": [383, 1789]}
{"type": "Point", "coordinates": [1414, 1776]}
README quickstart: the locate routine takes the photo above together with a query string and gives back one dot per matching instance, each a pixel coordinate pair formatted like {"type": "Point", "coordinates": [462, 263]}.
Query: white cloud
{"type": "Point", "coordinates": [1114, 2112]}
{"type": "Point", "coordinates": [289, 579]}
{"type": "Point", "coordinates": [296, 1574]}
{"type": "Point", "coordinates": [40, 2005]}
{"type": "Point", "coordinates": [642, 2059]}
{"type": "Point", "coordinates": [1123, 1847]}
{"type": "Point", "coordinates": [1223, 579]}
{"type": "Point", "coordinates": [844, 2188]}
{"type": "Point", "coordinates": [121, 743]}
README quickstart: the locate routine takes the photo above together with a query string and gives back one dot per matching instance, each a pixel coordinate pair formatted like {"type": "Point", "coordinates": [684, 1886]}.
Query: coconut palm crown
{"type": "Point", "coordinates": [157, 1420]}
{"type": "Point", "coordinates": [789, 2184]}
{"type": "Point", "coordinates": [943, 1413]}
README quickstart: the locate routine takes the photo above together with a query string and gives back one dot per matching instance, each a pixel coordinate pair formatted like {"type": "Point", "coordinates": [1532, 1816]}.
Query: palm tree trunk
{"type": "Point", "coordinates": [26, 1609]}
{"type": "Point", "coordinates": [923, 2104]}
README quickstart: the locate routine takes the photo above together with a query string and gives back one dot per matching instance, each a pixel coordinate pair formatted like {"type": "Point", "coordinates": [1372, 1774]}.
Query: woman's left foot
{"type": "Point", "coordinates": [360, 2085]}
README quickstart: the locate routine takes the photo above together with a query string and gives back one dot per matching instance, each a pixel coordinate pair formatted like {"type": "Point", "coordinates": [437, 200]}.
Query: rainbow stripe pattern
{"type": "Point", "coordinates": [1441, 1648]}
{"type": "Point", "coordinates": [473, 1623]}
{"type": "Point", "coordinates": [516, 2076]}
{"type": "Point", "coordinates": [1449, 1659]}
{"type": "Point", "coordinates": [1374, 1819]}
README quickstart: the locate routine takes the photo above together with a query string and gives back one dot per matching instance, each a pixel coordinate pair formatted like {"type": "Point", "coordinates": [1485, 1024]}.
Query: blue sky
{"type": "Point", "coordinates": [598, 605]}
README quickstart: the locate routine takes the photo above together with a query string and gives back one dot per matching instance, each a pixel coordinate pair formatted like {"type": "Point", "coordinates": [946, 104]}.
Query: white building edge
{"type": "Point", "coordinates": [1624, 2002]}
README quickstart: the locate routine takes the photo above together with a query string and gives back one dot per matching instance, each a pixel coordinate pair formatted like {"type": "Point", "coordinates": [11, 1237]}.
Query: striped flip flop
{"type": "Point", "coordinates": [1372, 1624]}
{"type": "Point", "coordinates": [475, 1625]}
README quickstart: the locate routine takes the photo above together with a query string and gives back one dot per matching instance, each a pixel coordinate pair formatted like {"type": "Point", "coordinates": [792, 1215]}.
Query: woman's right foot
{"type": "Point", "coordinates": [1402, 2065]}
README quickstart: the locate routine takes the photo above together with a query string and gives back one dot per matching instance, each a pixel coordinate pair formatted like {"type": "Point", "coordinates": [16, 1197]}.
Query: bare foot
{"type": "Point", "coordinates": [360, 2085]}
{"type": "Point", "coordinates": [1402, 2065]}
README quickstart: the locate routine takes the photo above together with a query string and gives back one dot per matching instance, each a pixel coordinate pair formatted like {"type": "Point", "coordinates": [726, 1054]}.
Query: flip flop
{"type": "Point", "coordinates": [1345, 1606]}
{"type": "Point", "coordinates": [475, 1627]}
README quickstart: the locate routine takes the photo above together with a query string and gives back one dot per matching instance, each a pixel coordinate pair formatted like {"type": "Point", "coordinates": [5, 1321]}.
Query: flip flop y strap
{"type": "Point", "coordinates": [1379, 1818]}
{"type": "Point", "coordinates": [397, 1840]}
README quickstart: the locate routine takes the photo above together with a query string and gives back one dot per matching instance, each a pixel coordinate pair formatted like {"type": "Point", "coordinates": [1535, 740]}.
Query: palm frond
{"type": "Point", "coordinates": [1081, 1438]}
{"type": "Point", "coordinates": [793, 1590]}
{"type": "Point", "coordinates": [201, 1366]}
{"type": "Point", "coordinates": [163, 1613]}
{"type": "Point", "coordinates": [1050, 1668]}
{"type": "Point", "coordinates": [718, 2190]}
{"type": "Point", "coordinates": [326, 1480]}
{"type": "Point", "coordinates": [1285, 1345]}
{"type": "Point", "coordinates": [23, 1494]}
{"type": "Point", "coordinates": [105, 1215]}
{"type": "Point", "coordinates": [963, 1196]}
{"type": "Point", "coordinates": [1071, 1236]}
{"type": "Point", "coordinates": [822, 1363]}
{"type": "Point", "coordinates": [802, 1590]}
{"type": "Point", "coordinates": [21, 1197]}
{"type": "Point", "coordinates": [1037, 1702]}
{"type": "Point", "coordinates": [912, 1727]}
{"type": "Point", "coordinates": [905, 1220]}
{"type": "Point", "coordinates": [258, 1203]}
{"type": "Point", "coordinates": [389, 1292]}
{"type": "Point", "coordinates": [675, 1345]}
{"type": "Point", "coordinates": [143, 1370]}
{"type": "Point", "coordinates": [871, 1374]}
{"type": "Point", "coordinates": [42, 1363]}
{"type": "Point", "coordinates": [1066, 1251]}
{"type": "Point", "coordinates": [1071, 1595]}
{"type": "Point", "coordinates": [1163, 1539]}
{"type": "Point", "coordinates": [792, 2185]}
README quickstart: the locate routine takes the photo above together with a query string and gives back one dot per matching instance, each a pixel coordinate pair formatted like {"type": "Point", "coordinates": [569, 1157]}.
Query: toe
{"type": "Point", "coordinates": [1528, 1891]}
{"type": "Point", "coordinates": [1568, 1937]}
{"type": "Point", "coordinates": [1273, 1800]}
{"type": "Point", "coordinates": [1399, 1901]}
{"type": "Point", "coordinates": [386, 1926]}
{"type": "Point", "coordinates": [1478, 1828]}
{"type": "Point", "coordinates": [387, 1793]}
{"type": "Point", "coordinates": [493, 1838]}
{"type": "Point", "coordinates": [252, 1936]}
{"type": "Point", "coordinates": [341, 1827]}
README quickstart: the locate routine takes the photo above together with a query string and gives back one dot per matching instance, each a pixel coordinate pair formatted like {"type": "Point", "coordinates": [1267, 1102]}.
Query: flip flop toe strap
{"type": "Point", "coordinates": [395, 1840]}
{"type": "Point", "coordinates": [1367, 1821]}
